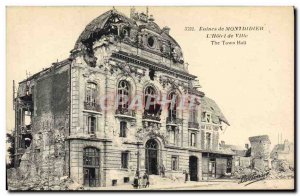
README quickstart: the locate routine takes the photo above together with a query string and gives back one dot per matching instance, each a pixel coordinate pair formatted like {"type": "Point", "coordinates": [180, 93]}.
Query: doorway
{"type": "Point", "coordinates": [212, 169]}
{"type": "Point", "coordinates": [90, 177]}
{"type": "Point", "coordinates": [193, 168]}
{"type": "Point", "coordinates": [151, 161]}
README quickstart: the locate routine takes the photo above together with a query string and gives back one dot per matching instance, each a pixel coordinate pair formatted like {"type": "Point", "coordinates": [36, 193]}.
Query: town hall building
{"type": "Point", "coordinates": [121, 105]}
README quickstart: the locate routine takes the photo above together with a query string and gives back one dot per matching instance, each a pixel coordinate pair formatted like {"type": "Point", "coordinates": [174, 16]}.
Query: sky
{"type": "Point", "coordinates": [253, 84]}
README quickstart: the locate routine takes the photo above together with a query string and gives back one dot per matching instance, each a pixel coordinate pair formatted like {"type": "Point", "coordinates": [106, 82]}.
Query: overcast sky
{"type": "Point", "coordinates": [252, 83]}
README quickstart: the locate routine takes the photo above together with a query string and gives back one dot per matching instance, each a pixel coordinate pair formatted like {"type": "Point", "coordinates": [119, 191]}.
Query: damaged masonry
{"type": "Point", "coordinates": [66, 138]}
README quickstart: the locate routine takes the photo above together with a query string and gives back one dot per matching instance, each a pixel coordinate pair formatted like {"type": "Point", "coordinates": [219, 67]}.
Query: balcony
{"type": "Point", "coordinates": [174, 121]}
{"type": "Point", "coordinates": [193, 125]}
{"type": "Point", "coordinates": [92, 106]}
{"type": "Point", "coordinates": [124, 112]}
{"type": "Point", "coordinates": [151, 117]}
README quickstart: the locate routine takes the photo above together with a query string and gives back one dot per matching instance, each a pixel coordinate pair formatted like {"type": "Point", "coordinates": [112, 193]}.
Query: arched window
{"type": "Point", "coordinates": [123, 94]}
{"type": "Point", "coordinates": [151, 107]}
{"type": "Point", "coordinates": [91, 93]}
{"type": "Point", "coordinates": [172, 106]}
{"type": "Point", "coordinates": [91, 156]}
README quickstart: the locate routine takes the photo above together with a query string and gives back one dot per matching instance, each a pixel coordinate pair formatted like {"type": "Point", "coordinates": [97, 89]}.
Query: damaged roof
{"type": "Point", "coordinates": [98, 24]}
{"type": "Point", "coordinates": [210, 105]}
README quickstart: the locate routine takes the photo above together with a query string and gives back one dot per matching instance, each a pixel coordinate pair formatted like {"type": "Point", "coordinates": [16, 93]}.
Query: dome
{"type": "Point", "coordinates": [100, 24]}
{"type": "Point", "coordinates": [138, 31]}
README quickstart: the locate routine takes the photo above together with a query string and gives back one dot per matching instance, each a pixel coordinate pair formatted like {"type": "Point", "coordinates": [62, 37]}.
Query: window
{"type": "Point", "coordinates": [193, 140]}
{"type": "Point", "coordinates": [172, 106]}
{"type": "Point", "coordinates": [91, 93]}
{"type": "Point", "coordinates": [91, 157]}
{"type": "Point", "coordinates": [124, 160]}
{"type": "Point", "coordinates": [208, 118]}
{"type": "Point", "coordinates": [123, 128]}
{"type": "Point", "coordinates": [172, 130]}
{"type": "Point", "coordinates": [91, 124]}
{"type": "Point", "coordinates": [151, 107]}
{"type": "Point", "coordinates": [174, 163]}
{"type": "Point", "coordinates": [123, 94]}
{"type": "Point", "coordinates": [208, 140]}
{"type": "Point", "coordinates": [193, 115]}
{"type": "Point", "coordinates": [126, 179]}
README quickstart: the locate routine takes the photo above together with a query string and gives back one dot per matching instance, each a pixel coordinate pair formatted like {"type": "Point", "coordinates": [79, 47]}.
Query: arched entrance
{"type": "Point", "coordinates": [151, 153]}
{"type": "Point", "coordinates": [193, 168]}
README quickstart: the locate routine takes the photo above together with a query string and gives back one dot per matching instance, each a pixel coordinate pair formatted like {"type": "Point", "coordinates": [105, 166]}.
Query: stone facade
{"type": "Point", "coordinates": [79, 128]}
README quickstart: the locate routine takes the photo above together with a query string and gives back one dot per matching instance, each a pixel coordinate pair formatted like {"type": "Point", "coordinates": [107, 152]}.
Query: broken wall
{"type": "Point", "coordinates": [45, 161]}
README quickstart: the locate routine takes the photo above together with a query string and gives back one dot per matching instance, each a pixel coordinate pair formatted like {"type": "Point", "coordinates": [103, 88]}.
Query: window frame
{"type": "Point", "coordinates": [172, 111]}
{"type": "Point", "coordinates": [91, 154]}
{"type": "Point", "coordinates": [91, 91]}
{"type": "Point", "coordinates": [123, 91]}
{"type": "Point", "coordinates": [176, 158]}
{"type": "Point", "coordinates": [89, 124]}
{"type": "Point", "coordinates": [123, 129]}
{"type": "Point", "coordinates": [125, 163]}
{"type": "Point", "coordinates": [193, 144]}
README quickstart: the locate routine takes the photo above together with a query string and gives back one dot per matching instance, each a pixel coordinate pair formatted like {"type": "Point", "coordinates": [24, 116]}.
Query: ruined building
{"type": "Point", "coordinates": [260, 151]}
{"type": "Point", "coordinates": [68, 124]}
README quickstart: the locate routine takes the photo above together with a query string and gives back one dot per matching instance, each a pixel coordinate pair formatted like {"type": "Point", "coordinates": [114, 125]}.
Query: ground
{"type": "Point", "coordinates": [287, 184]}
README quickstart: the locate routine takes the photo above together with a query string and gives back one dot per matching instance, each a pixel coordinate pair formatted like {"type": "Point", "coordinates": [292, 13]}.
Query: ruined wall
{"type": "Point", "coordinates": [45, 161]}
{"type": "Point", "coordinates": [260, 151]}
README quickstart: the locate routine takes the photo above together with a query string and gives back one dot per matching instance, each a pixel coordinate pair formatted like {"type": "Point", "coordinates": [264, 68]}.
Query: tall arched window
{"type": "Point", "coordinates": [172, 106]}
{"type": "Point", "coordinates": [91, 93]}
{"type": "Point", "coordinates": [123, 94]}
{"type": "Point", "coordinates": [91, 156]}
{"type": "Point", "coordinates": [150, 100]}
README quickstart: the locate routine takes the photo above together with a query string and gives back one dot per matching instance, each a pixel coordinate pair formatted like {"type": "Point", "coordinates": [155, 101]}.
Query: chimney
{"type": "Point", "coordinates": [166, 29]}
{"type": "Point", "coordinates": [247, 146]}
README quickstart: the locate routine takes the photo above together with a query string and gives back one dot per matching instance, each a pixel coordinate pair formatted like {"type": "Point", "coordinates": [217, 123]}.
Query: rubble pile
{"type": "Point", "coordinates": [37, 183]}
{"type": "Point", "coordinates": [241, 171]}
{"type": "Point", "coordinates": [280, 174]}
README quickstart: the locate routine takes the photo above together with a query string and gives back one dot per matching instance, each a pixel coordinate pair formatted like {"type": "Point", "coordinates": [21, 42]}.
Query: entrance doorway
{"type": "Point", "coordinates": [193, 168]}
{"type": "Point", "coordinates": [90, 177]}
{"type": "Point", "coordinates": [151, 161]}
{"type": "Point", "coordinates": [212, 169]}
{"type": "Point", "coordinates": [91, 166]}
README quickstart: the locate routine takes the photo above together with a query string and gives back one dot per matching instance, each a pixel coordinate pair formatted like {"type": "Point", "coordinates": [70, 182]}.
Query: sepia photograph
{"type": "Point", "coordinates": [150, 98]}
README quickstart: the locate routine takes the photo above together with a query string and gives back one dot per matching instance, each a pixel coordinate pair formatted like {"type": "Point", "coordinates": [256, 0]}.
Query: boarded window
{"type": "Point", "coordinates": [174, 162]}
{"type": "Point", "coordinates": [124, 160]}
{"type": "Point", "coordinates": [123, 129]}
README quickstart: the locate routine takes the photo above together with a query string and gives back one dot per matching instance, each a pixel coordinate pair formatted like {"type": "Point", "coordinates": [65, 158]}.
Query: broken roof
{"type": "Point", "coordinates": [101, 22]}
{"type": "Point", "coordinates": [209, 105]}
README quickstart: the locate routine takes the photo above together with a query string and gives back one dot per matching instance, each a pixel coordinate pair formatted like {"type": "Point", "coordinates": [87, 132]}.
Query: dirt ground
{"type": "Point", "coordinates": [273, 184]}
